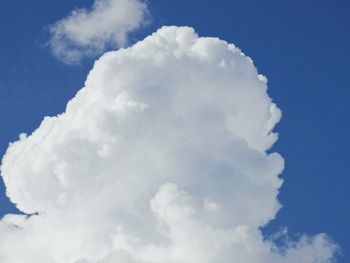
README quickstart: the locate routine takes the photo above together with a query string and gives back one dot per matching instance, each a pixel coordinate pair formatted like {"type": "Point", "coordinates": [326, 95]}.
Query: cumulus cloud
{"type": "Point", "coordinates": [160, 157]}
{"type": "Point", "coordinates": [89, 32]}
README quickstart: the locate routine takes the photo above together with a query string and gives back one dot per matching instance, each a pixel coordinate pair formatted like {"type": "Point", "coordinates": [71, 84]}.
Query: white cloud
{"type": "Point", "coordinates": [161, 157]}
{"type": "Point", "coordinates": [89, 32]}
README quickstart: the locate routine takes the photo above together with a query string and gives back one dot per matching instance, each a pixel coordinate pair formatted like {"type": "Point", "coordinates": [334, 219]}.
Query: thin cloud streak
{"type": "Point", "coordinates": [87, 33]}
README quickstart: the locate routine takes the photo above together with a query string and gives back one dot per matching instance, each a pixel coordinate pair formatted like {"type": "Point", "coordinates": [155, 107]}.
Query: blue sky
{"type": "Point", "coordinates": [301, 46]}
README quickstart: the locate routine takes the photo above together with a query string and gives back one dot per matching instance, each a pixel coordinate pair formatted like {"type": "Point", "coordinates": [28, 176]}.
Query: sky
{"type": "Point", "coordinates": [301, 46]}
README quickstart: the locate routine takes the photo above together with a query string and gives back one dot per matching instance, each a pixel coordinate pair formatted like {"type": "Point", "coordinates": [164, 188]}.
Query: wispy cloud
{"type": "Point", "coordinates": [89, 32]}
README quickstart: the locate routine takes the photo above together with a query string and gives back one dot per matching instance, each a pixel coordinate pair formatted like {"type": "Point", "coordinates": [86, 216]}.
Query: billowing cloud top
{"type": "Point", "coordinates": [160, 158]}
{"type": "Point", "coordinates": [89, 32]}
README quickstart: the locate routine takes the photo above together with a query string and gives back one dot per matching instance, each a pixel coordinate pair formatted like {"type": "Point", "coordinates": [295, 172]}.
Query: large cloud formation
{"type": "Point", "coordinates": [89, 32]}
{"type": "Point", "coordinates": [160, 158]}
